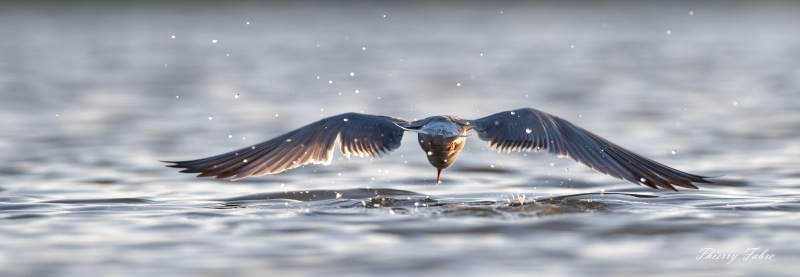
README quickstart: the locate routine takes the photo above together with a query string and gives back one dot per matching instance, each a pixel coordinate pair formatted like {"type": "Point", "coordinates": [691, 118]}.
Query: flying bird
{"type": "Point", "coordinates": [442, 138]}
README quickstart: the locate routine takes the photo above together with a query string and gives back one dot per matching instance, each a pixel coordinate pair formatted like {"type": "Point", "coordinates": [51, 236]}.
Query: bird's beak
{"type": "Point", "coordinates": [438, 174]}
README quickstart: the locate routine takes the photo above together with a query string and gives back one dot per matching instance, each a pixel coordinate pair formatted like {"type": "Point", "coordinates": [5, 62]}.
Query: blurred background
{"type": "Point", "coordinates": [94, 93]}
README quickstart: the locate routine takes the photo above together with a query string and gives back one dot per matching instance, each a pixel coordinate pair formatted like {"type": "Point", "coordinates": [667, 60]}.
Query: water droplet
{"type": "Point", "coordinates": [669, 32]}
{"type": "Point", "coordinates": [357, 92]}
{"type": "Point", "coordinates": [572, 46]}
{"type": "Point", "coordinates": [458, 84]}
{"type": "Point", "coordinates": [248, 23]}
{"type": "Point", "coordinates": [735, 103]}
{"type": "Point", "coordinates": [496, 123]}
{"type": "Point", "coordinates": [209, 118]}
{"type": "Point", "coordinates": [245, 160]}
{"type": "Point", "coordinates": [338, 195]}
{"type": "Point", "coordinates": [430, 153]}
{"type": "Point", "coordinates": [566, 169]}
{"type": "Point", "coordinates": [674, 152]}
{"type": "Point", "coordinates": [602, 191]}
{"type": "Point", "coordinates": [244, 138]}
{"type": "Point", "coordinates": [283, 185]}
{"type": "Point", "coordinates": [552, 164]}
{"type": "Point", "coordinates": [237, 96]}
{"type": "Point", "coordinates": [56, 115]}
{"type": "Point", "coordinates": [384, 15]}
{"type": "Point", "coordinates": [338, 174]}
{"type": "Point", "coordinates": [691, 13]}
{"type": "Point", "coordinates": [364, 48]}
{"type": "Point", "coordinates": [492, 165]}
{"type": "Point", "coordinates": [213, 41]}
{"type": "Point", "coordinates": [177, 96]}
{"type": "Point", "coordinates": [416, 204]}
{"type": "Point", "coordinates": [528, 130]}
{"type": "Point", "coordinates": [345, 120]}
{"type": "Point", "coordinates": [642, 180]}
{"type": "Point", "coordinates": [173, 36]}
{"type": "Point", "coordinates": [288, 140]}
{"type": "Point", "coordinates": [330, 81]}
{"type": "Point", "coordinates": [352, 74]}
{"type": "Point", "coordinates": [481, 54]}
{"type": "Point", "coordinates": [512, 113]}
{"type": "Point", "coordinates": [253, 147]}
{"type": "Point", "coordinates": [276, 115]}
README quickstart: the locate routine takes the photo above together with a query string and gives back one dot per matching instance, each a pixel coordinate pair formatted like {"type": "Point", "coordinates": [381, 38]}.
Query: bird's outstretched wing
{"type": "Point", "coordinates": [358, 134]}
{"type": "Point", "coordinates": [533, 130]}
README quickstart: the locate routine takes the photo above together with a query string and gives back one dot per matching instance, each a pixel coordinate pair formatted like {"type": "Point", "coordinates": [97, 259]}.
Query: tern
{"type": "Point", "coordinates": [442, 138]}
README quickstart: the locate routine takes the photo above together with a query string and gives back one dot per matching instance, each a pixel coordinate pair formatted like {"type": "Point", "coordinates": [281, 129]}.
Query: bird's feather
{"type": "Point", "coordinates": [533, 130]}
{"type": "Point", "coordinates": [358, 134]}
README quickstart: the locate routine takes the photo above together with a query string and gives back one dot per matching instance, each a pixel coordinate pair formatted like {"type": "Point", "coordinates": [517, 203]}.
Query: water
{"type": "Point", "coordinates": [93, 94]}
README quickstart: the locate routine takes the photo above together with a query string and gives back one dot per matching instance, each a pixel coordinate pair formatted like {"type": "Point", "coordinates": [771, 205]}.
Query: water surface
{"type": "Point", "coordinates": [94, 94]}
